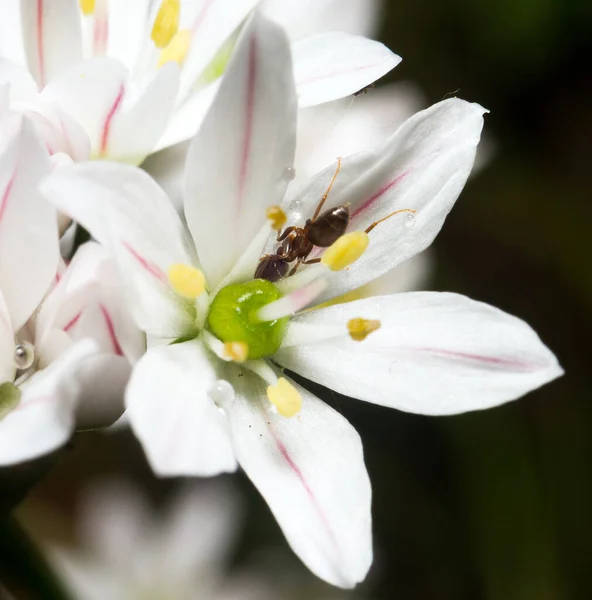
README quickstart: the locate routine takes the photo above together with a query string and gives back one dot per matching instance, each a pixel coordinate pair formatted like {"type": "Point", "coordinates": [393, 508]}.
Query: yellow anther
{"type": "Point", "coordinates": [285, 397]}
{"type": "Point", "coordinates": [346, 250]}
{"type": "Point", "coordinates": [177, 49]}
{"type": "Point", "coordinates": [166, 23]}
{"type": "Point", "coordinates": [87, 6]}
{"type": "Point", "coordinates": [236, 351]}
{"type": "Point", "coordinates": [277, 217]}
{"type": "Point", "coordinates": [359, 329]}
{"type": "Point", "coordinates": [186, 280]}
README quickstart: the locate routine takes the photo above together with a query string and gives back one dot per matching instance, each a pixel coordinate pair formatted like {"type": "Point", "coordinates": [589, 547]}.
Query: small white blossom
{"type": "Point", "coordinates": [216, 396]}
{"type": "Point", "coordinates": [129, 551]}
{"type": "Point", "coordinates": [138, 76]}
{"type": "Point", "coordinates": [61, 329]}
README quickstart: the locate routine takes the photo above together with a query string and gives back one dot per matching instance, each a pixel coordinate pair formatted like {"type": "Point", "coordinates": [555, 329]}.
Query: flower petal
{"type": "Point", "coordinates": [213, 22]}
{"type": "Point", "coordinates": [123, 119]}
{"type": "Point", "coordinates": [345, 127]}
{"type": "Point", "coordinates": [128, 30]}
{"type": "Point", "coordinates": [52, 36]}
{"type": "Point", "coordinates": [124, 209]}
{"type": "Point", "coordinates": [331, 65]}
{"type": "Point", "coordinates": [145, 112]}
{"type": "Point", "coordinates": [236, 163]}
{"type": "Point", "coordinates": [181, 429]}
{"type": "Point", "coordinates": [423, 167]}
{"type": "Point", "coordinates": [22, 85]}
{"type": "Point", "coordinates": [311, 472]}
{"type": "Point", "coordinates": [187, 118]}
{"type": "Point", "coordinates": [28, 223]}
{"type": "Point", "coordinates": [87, 302]}
{"type": "Point", "coordinates": [44, 418]}
{"type": "Point", "coordinates": [301, 18]}
{"type": "Point", "coordinates": [435, 353]}
{"type": "Point", "coordinates": [11, 38]}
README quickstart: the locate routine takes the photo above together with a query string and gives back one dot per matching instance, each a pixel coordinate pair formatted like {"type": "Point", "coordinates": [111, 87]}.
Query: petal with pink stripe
{"type": "Point", "coordinates": [52, 36]}
{"type": "Point", "coordinates": [236, 163]}
{"type": "Point", "coordinates": [434, 353]}
{"type": "Point", "coordinates": [332, 65]}
{"type": "Point", "coordinates": [423, 166]}
{"type": "Point", "coordinates": [28, 224]}
{"type": "Point", "coordinates": [125, 209]}
{"type": "Point", "coordinates": [310, 470]}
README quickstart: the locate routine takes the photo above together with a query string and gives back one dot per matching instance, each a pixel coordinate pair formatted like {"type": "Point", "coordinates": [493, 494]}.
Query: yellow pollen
{"type": "Point", "coordinates": [346, 250]}
{"type": "Point", "coordinates": [277, 217]}
{"type": "Point", "coordinates": [359, 329]}
{"type": "Point", "coordinates": [87, 6]}
{"type": "Point", "coordinates": [177, 49]}
{"type": "Point", "coordinates": [166, 23]}
{"type": "Point", "coordinates": [186, 280]}
{"type": "Point", "coordinates": [236, 351]}
{"type": "Point", "coordinates": [285, 397]}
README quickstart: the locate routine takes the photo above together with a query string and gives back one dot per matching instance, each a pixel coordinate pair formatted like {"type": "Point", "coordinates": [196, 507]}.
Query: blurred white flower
{"type": "Point", "coordinates": [139, 76]}
{"type": "Point", "coordinates": [59, 333]}
{"type": "Point", "coordinates": [215, 397]}
{"type": "Point", "coordinates": [130, 551]}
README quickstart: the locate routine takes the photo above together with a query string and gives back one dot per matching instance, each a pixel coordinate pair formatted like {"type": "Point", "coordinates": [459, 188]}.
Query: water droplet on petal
{"type": "Point", "coordinates": [24, 356]}
{"type": "Point", "coordinates": [289, 173]}
{"type": "Point", "coordinates": [221, 392]}
{"type": "Point", "coordinates": [410, 220]}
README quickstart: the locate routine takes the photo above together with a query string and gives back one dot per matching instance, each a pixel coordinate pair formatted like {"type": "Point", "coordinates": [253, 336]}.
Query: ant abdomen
{"type": "Point", "coordinates": [272, 267]}
{"type": "Point", "coordinates": [328, 227]}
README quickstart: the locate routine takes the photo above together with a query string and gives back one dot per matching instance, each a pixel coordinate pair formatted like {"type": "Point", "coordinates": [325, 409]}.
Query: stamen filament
{"type": "Point", "coordinates": [291, 303]}
{"type": "Point", "coordinates": [301, 278]}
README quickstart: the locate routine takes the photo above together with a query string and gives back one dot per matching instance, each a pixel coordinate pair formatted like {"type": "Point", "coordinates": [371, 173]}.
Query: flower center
{"type": "Point", "coordinates": [232, 317]}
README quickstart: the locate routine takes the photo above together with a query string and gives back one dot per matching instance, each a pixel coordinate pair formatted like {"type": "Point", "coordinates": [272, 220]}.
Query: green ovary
{"type": "Point", "coordinates": [232, 317]}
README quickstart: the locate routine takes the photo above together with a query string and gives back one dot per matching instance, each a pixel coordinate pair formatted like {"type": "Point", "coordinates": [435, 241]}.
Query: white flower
{"type": "Point", "coordinates": [304, 22]}
{"type": "Point", "coordinates": [196, 411]}
{"type": "Point", "coordinates": [130, 553]}
{"type": "Point", "coordinates": [150, 68]}
{"type": "Point", "coordinates": [50, 353]}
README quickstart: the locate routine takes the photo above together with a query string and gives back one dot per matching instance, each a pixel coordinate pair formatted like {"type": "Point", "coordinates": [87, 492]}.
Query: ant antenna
{"type": "Point", "coordinates": [326, 194]}
{"type": "Point", "coordinates": [409, 210]}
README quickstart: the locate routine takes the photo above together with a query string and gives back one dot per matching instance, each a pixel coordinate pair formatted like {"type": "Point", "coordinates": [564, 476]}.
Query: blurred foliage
{"type": "Point", "coordinates": [492, 505]}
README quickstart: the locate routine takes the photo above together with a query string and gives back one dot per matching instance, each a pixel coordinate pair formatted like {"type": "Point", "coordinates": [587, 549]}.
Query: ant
{"type": "Point", "coordinates": [298, 242]}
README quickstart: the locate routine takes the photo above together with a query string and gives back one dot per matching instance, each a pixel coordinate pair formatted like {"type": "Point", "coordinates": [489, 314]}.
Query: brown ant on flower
{"type": "Point", "coordinates": [323, 230]}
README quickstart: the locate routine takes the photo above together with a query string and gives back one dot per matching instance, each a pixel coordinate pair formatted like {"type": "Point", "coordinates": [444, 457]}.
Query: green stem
{"type": "Point", "coordinates": [24, 571]}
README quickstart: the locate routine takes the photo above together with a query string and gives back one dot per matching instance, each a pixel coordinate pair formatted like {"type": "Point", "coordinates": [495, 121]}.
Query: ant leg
{"type": "Point", "coordinates": [326, 194]}
{"type": "Point", "coordinates": [371, 227]}
{"type": "Point", "coordinates": [311, 261]}
{"type": "Point", "coordinates": [295, 267]}
{"type": "Point", "coordinates": [287, 231]}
